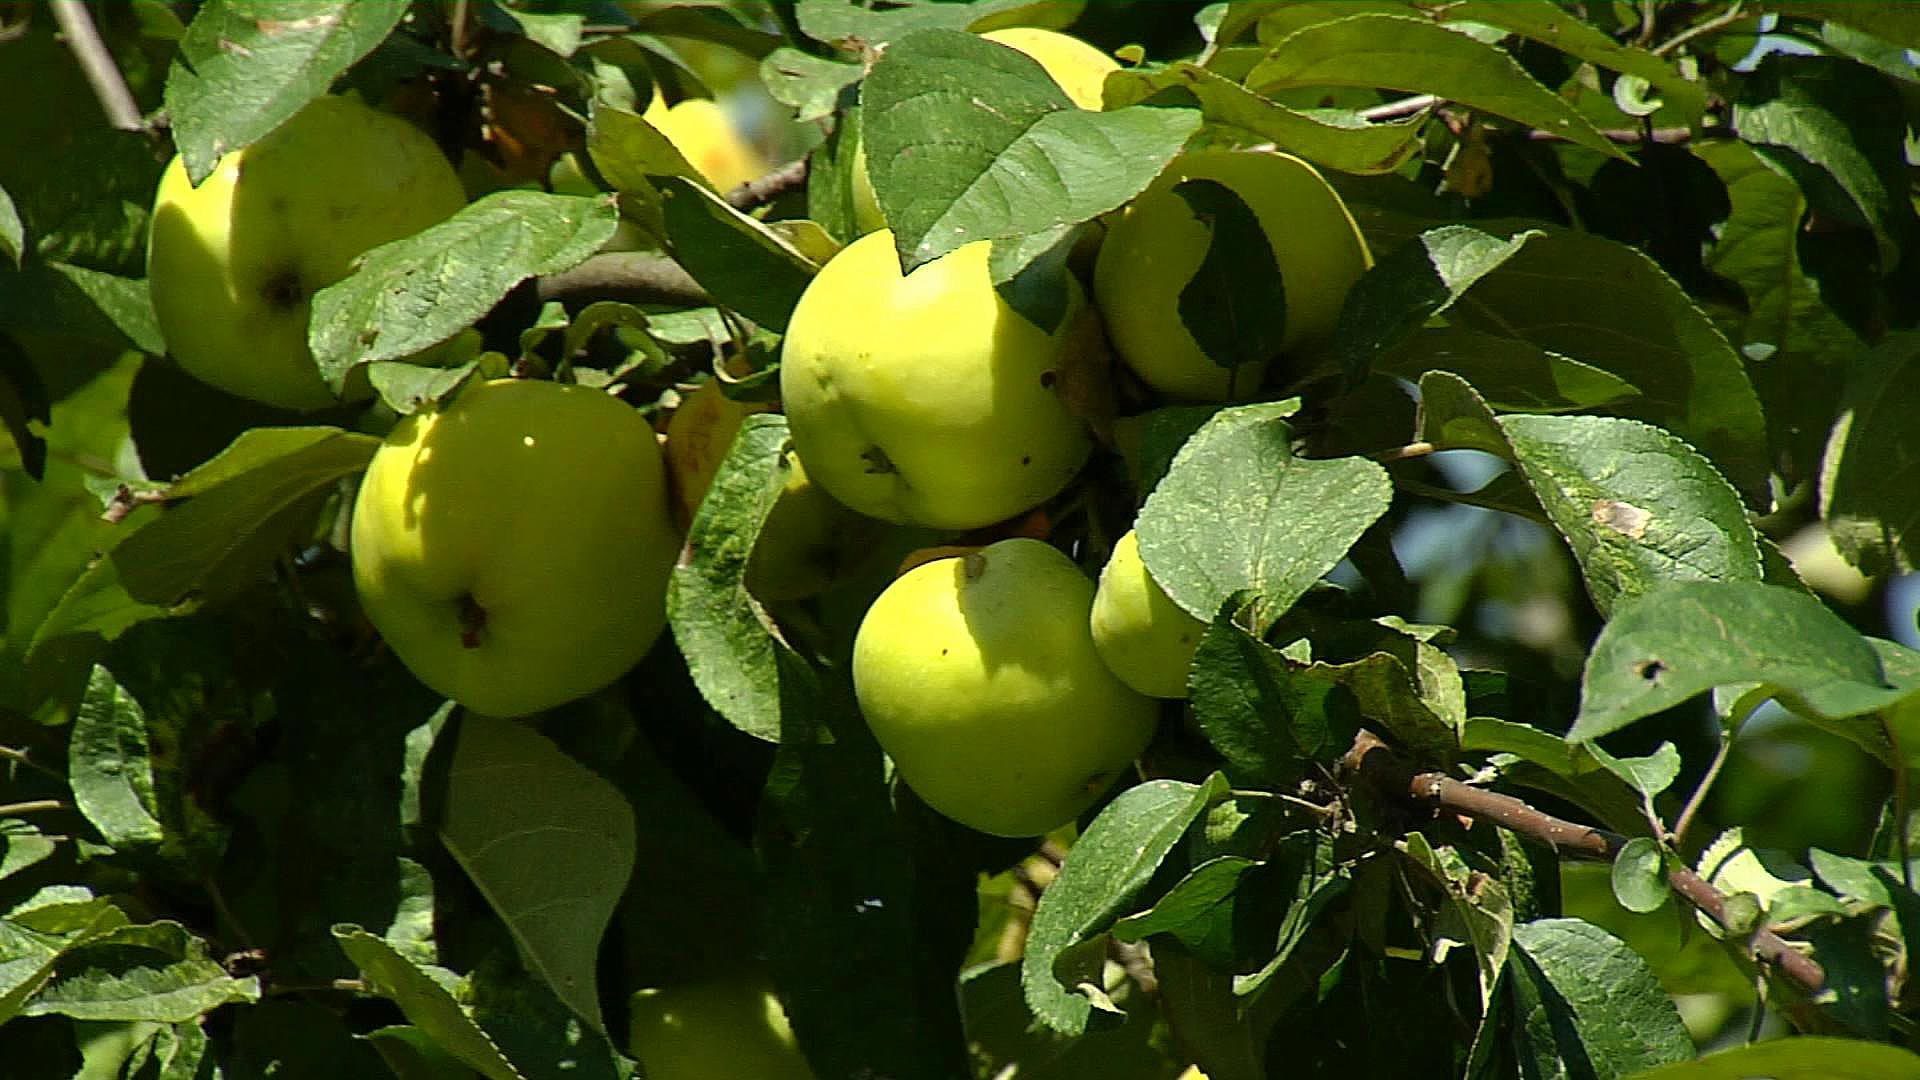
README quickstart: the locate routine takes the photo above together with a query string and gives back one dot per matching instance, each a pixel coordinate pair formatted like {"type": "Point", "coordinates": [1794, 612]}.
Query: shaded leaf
{"type": "Point", "coordinates": [1262, 716]}
{"type": "Point", "coordinates": [547, 841]}
{"type": "Point", "coordinates": [1235, 305]}
{"type": "Point", "coordinates": [1870, 473]}
{"type": "Point", "coordinates": [740, 262]}
{"type": "Point", "coordinates": [1604, 1005]}
{"type": "Point", "coordinates": [427, 1002]}
{"type": "Point", "coordinates": [156, 972]}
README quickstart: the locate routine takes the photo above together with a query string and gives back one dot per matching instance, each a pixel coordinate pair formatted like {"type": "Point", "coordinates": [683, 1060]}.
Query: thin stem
{"type": "Point", "coordinates": [1719, 22]}
{"type": "Point", "coordinates": [1699, 796]}
{"type": "Point", "coordinates": [457, 38]}
{"type": "Point", "coordinates": [83, 40]}
{"type": "Point", "coordinates": [1403, 453]}
{"type": "Point", "coordinates": [31, 806]}
{"type": "Point", "coordinates": [1394, 110]}
{"type": "Point", "coordinates": [19, 756]}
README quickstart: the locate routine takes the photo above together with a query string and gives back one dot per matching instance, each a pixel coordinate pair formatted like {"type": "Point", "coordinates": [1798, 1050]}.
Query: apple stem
{"type": "Point", "coordinates": [473, 620]}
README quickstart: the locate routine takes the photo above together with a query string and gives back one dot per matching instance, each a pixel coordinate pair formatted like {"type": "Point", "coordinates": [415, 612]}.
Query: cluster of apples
{"type": "Point", "coordinates": [513, 546]}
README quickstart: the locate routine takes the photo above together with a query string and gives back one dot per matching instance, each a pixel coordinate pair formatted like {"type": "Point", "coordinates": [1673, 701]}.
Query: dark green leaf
{"type": "Point", "coordinates": [424, 995]}
{"type": "Point", "coordinates": [1235, 305]}
{"type": "Point", "coordinates": [1512, 375]}
{"type": "Point", "coordinates": [414, 293]}
{"type": "Point", "coordinates": [1808, 350]}
{"type": "Point", "coordinates": [1685, 639]}
{"type": "Point", "coordinates": [1477, 909]}
{"type": "Point", "coordinates": [73, 301]}
{"type": "Point", "coordinates": [968, 140]}
{"type": "Point", "coordinates": [853, 23]}
{"type": "Point", "coordinates": [547, 841]}
{"type": "Point", "coordinates": [1602, 1003]}
{"type": "Point", "coordinates": [727, 639]}
{"type": "Point", "coordinates": [1109, 865]}
{"type": "Point", "coordinates": [1414, 55]}
{"type": "Point", "coordinates": [245, 66]}
{"type": "Point", "coordinates": [1238, 513]}
{"type": "Point", "coordinates": [1333, 138]}
{"type": "Point", "coordinates": [247, 506]}
{"type": "Point", "coordinates": [1198, 910]}
{"type": "Point", "coordinates": [740, 262]}
{"type": "Point", "coordinates": [109, 765]}
{"type": "Point", "coordinates": [23, 398]}
{"type": "Point", "coordinates": [1266, 719]}
{"type": "Point", "coordinates": [157, 972]}
{"type": "Point", "coordinates": [538, 1031]}
{"type": "Point", "coordinates": [1411, 284]}
{"type": "Point", "coordinates": [1869, 476]}
{"type": "Point", "coordinates": [13, 235]}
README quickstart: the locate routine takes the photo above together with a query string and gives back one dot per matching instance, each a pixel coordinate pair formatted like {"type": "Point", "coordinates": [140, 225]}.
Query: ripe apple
{"type": "Point", "coordinates": [1146, 638]}
{"type": "Point", "coordinates": [925, 399]}
{"type": "Point", "coordinates": [1152, 250]}
{"type": "Point", "coordinates": [699, 434]}
{"type": "Point", "coordinates": [722, 1028]}
{"type": "Point", "coordinates": [979, 678]}
{"type": "Point", "coordinates": [513, 546]}
{"type": "Point", "coordinates": [1078, 68]}
{"type": "Point", "coordinates": [234, 262]}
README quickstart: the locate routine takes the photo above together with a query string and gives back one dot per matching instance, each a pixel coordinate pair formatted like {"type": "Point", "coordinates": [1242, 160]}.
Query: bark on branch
{"type": "Point", "coordinates": [1389, 774]}
{"type": "Point", "coordinates": [763, 190]}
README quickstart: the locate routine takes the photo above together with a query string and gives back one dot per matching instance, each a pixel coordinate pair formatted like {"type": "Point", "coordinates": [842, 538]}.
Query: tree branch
{"type": "Point", "coordinates": [630, 276]}
{"type": "Point", "coordinates": [763, 190]}
{"type": "Point", "coordinates": [83, 39]}
{"type": "Point", "coordinates": [1390, 775]}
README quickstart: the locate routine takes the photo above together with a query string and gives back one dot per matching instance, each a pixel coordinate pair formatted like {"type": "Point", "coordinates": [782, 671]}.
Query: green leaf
{"type": "Point", "coordinates": [547, 841]}
{"type": "Point", "coordinates": [246, 66]}
{"type": "Point", "coordinates": [1544, 22]}
{"type": "Point", "coordinates": [21, 845]}
{"type": "Point", "coordinates": [727, 638]}
{"type": "Point", "coordinates": [1263, 716]}
{"type": "Point", "coordinates": [1687, 638]}
{"type": "Point", "coordinates": [1477, 912]}
{"type": "Point", "coordinates": [1512, 375]}
{"type": "Point", "coordinates": [247, 506]}
{"type": "Point", "coordinates": [13, 235]}
{"type": "Point", "coordinates": [1808, 349]}
{"type": "Point", "coordinates": [1836, 128]}
{"type": "Point", "coordinates": [811, 85]}
{"type": "Point", "coordinates": [1600, 1000]}
{"type": "Point", "coordinates": [1198, 910]}
{"type": "Point", "coordinates": [426, 1001]}
{"type": "Point", "coordinates": [968, 140]}
{"type": "Point", "coordinates": [740, 262]}
{"type": "Point", "coordinates": [1638, 506]}
{"type": "Point", "coordinates": [1235, 305]}
{"type": "Point", "coordinates": [407, 388]}
{"type": "Point", "coordinates": [1649, 775]}
{"type": "Point", "coordinates": [1640, 876]}
{"type": "Point", "coordinates": [1412, 283]}
{"type": "Point", "coordinates": [1108, 866]}
{"type": "Point", "coordinates": [1411, 54]}
{"type": "Point", "coordinates": [854, 23]}
{"type": "Point", "coordinates": [66, 300]}
{"type": "Point", "coordinates": [1335, 138]}
{"type": "Point", "coordinates": [1893, 22]}
{"type": "Point", "coordinates": [629, 152]}
{"type": "Point", "coordinates": [536, 1030]}
{"type": "Point", "coordinates": [156, 972]}
{"type": "Point", "coordinates": [1804, 1057]}
{"type": "Point", "coordinates": [414, 293]}
{"type": "Point", "coordinates": [1238, 513]}
{"type": "Point", "coordinates": [1869, 475]}
{"type": "Point", "coordinates": [110, 768]}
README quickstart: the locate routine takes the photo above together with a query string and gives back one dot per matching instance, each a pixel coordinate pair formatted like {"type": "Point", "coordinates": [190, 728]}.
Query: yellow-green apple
{"type": "Point", "coordinates": [1079, 69]}
{"type": "Point", "coordinates": [233, 263]}
{"type": "Point", "coordinates": [727, 1028]}
{"type": "Point", "coordinates": [979, 678]}
{"type": "Point", "coordinates": [513, 547]}
{"type": "Point", "coordinates": [700, 130]}
{"type": "Point", "coordinates": [699, 434]}
{"type": "Point", "coordinates": [1154, 247]}
{"type": "Point", "coordinates": [1146, 638]}
{"type": "Point", "coordinates": [924, 398]}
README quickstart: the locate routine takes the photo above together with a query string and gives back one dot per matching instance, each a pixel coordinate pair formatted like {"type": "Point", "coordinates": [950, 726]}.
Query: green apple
{"type": "Point", "coordinates": [808, 542]}
{"type": "Point", "coordinates": [513, 547]}
{"type": "Point", "coordinates": [730, 1028]}
{"type": "Point", "coordinates": [1152, 250]}
{"type": "Point", "coordinates": [1146, 638]}
{"type": "Point", "coordinates": [1079, 69]}
{"type": "Point", "coordinates": [925, 399]}
{"type": "Point", "coordinates": [234, 263]}
{"type": "Point", "coordinates": [979, 678]}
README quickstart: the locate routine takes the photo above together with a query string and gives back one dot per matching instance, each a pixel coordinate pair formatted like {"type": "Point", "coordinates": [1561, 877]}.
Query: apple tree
{"type": "Point", "coordinates": [913, 540]}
